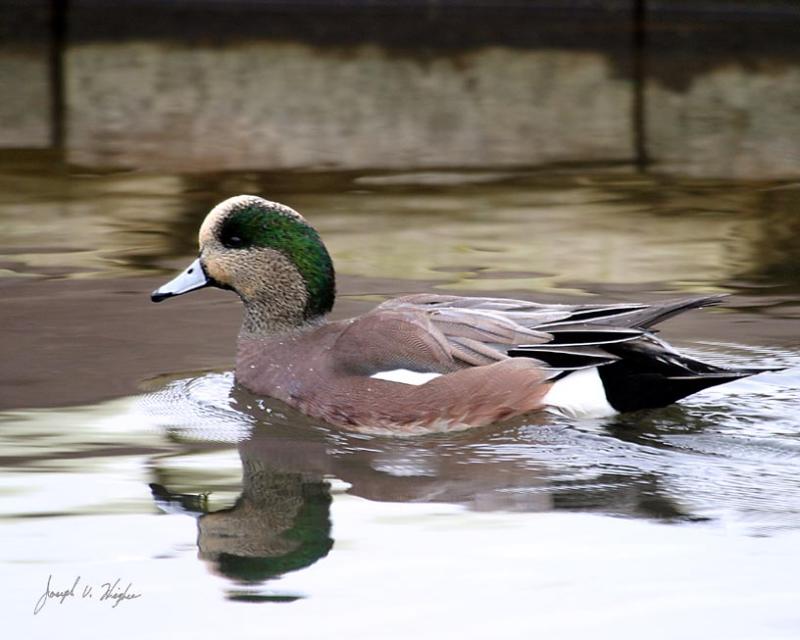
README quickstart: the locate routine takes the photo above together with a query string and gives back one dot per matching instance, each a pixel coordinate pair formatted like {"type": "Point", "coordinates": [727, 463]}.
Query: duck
{"type": "Point", "coordinates": [426, 362]}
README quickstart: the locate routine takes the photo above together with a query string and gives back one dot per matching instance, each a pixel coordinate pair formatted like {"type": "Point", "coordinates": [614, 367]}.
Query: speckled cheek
{"type": "Point", "coordinates": [247, 288]}
{"type": "Point", "coordinates": [216, 269]}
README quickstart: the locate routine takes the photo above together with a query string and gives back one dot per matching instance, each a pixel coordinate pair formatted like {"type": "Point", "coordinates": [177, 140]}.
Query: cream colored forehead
{"type": "Point", "coordinates": [213, 221]}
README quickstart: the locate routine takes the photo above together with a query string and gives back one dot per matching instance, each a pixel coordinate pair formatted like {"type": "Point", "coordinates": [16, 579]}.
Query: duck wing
{"type": "Point", "coordinates": [479, 330]}
{"type": "Point", "coordinates": [534, 315]}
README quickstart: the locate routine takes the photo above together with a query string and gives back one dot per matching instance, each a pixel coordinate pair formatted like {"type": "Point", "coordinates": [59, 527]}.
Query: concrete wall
{"type": "Point", "coordinates": [699, 88]}
{"type": "Point", "coordinates": [26, 97]}
{"type": "Point", "coordinates": [285, 105]}
{"type": "Point", "coordinates": [722, 87]}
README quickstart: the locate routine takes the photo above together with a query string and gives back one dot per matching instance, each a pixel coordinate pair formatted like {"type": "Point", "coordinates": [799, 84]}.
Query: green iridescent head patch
{"type": "Point", "coordinates": [258, 223]}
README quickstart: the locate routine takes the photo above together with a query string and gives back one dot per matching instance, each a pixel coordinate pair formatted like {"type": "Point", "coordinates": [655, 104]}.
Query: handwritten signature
{"type": "Point", "coordinates": [108, 592]}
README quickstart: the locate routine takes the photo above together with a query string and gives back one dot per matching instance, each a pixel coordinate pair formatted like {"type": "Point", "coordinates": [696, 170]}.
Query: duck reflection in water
{"type": "Point", "coordinates": [281, 522]}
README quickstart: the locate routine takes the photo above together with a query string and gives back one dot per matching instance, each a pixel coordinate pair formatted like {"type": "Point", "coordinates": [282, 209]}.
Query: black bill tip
{"type": "Point", "coordinates": [160, 296]}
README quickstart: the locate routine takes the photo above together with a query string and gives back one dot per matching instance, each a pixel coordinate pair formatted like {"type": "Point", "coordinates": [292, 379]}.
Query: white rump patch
{"type": "Point", "coordinates": [406, 376]}
{"type": "Point", "coordinates": [580, 395]}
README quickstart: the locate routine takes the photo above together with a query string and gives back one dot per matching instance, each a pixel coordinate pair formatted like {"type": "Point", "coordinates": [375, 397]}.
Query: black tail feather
{"type": "Point", "coordinates": [637, 369]}
{"type": "Point", "coordinates": [649, 374]}
{"type": "Point", "coordinates": [628, 389]}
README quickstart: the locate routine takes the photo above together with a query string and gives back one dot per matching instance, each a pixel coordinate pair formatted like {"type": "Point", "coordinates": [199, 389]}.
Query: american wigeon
{"type": "Point", "coordinates": [425, 362]}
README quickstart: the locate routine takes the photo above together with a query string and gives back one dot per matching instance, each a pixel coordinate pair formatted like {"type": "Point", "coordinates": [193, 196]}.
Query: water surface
{"type": "Point", "coordinates": [128, 453]}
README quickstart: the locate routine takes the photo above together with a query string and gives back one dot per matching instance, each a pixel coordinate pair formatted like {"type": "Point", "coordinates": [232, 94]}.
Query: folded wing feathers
{"type": "Point", "coordinates": [646, 316]}
{"type": "Point", "coordinates": [474, 352]}
{"type": "Point", "coordinates": [480, 331]}
{"type": "Point", "coordinates": [489, 326]}
{"type": "Point", "coordinates": [434, 301]}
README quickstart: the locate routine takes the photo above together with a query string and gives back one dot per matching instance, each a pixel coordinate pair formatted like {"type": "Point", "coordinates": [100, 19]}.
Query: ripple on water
{"type": "Point", "coordinates": [730, 453]}
{"type": "Point", "coordinates": [198, 408]}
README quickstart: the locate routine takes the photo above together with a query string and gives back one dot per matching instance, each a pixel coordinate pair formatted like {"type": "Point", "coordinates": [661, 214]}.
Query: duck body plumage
{"type": "Point", "coordinates": [426, 363]}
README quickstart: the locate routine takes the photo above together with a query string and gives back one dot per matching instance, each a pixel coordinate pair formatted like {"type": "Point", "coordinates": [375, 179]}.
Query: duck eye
{"type": "Point", "coordinates": [233, 242]}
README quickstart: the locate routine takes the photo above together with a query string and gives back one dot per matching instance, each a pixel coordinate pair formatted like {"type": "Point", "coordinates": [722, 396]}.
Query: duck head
{"type": "Point", "coordinates": [270, 256]}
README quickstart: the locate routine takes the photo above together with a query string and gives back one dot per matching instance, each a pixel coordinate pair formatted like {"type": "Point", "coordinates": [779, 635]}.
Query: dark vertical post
{"type": "Point", "coordinates": [58, 32]}
{"type": "Point", "coordinates": [639, 52]}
